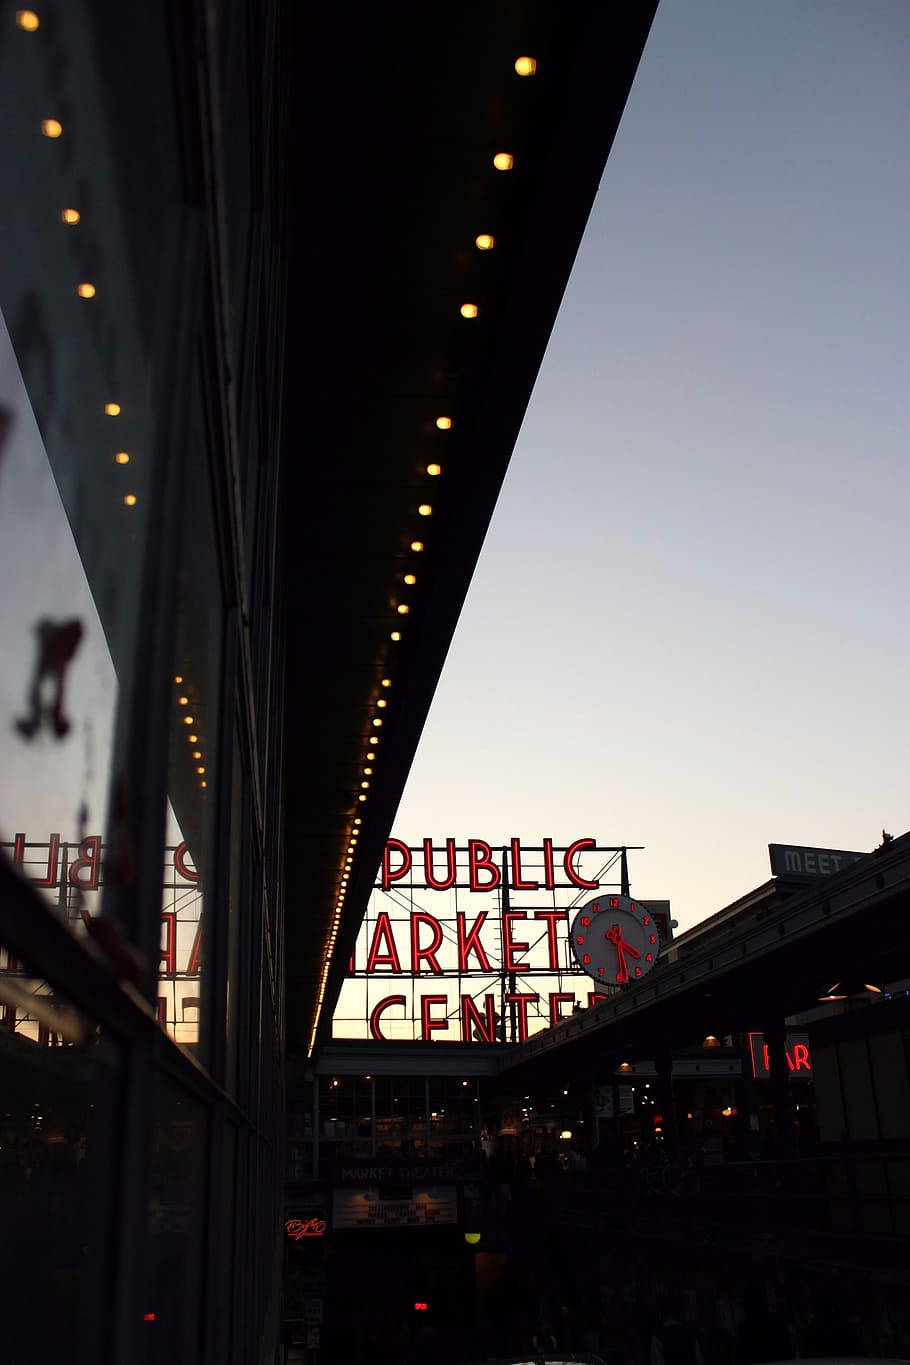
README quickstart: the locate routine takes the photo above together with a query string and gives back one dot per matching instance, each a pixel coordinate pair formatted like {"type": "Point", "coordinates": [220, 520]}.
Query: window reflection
{"type": "Point", "coordinates": [54, 1065]}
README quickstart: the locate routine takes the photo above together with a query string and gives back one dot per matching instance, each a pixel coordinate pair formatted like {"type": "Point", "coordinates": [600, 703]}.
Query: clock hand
{"type": "Point", "coordinates": [614, 934]}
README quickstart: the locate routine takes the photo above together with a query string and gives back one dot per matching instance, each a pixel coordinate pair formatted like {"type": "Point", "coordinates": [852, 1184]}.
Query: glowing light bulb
{"type": "Point", "coordinates": [197, 753]}
{"type": "Point", "coordinates": [484, 241]}
{"type": "Point", "coordinates": [403, 608]}
{"type": "Point", "coordinates": [365, 786]}
{"type": "Point", "coordinates": [193, 739]}
{"type": "Point", "coordinates": [395, 635]}
{"type": "Point", "coordinates": [382, 702]}
{"type": "Point", "coordinates": [112, 409]}
{"type": "Point", "coordinates": [86, 290]}
{"type": "Point", "coordinates": [361, 797]}
{"type": "Point", "coordinates": [179, 678]}
{"type": "Point", "coordinates": [27, 20]}
{"type": "Point", "coordinates": [503, 161]}
{"type": "Point", "coordinates": [425, 510]}
{"type": "Point", "coordinates": [444, 423]}
{"type": "Point", "coordinates": [183, 701]}
{"type": "Point", "coordinates": [387, 682]}
{"type": "Point", "coordinates": [51, 127]}
{"type": "Point", "coordinates": [70, 216]}
{"type": "Point", "coordinates": [469, 310]}
{"type": "Point", "coordinates": [203, 784]}
{"type": "Point", "coordinates": [200, 771]}
{"type": "Point", "coordinates": [122, 457]}
{"type": "Point", "coordinates": [525, 66]}
{"type": "Point", "coordinates": [130, 500]}
{"type": "Point", "coordinates": [188, 720]}
{"type": "Point", "coordinates": [377, 721]}
{"type": "Point", "coordinates": [357, 820]}
{"type": "Point", "coordinates": [410, 579]}
{"type": "Point", "coordinates": [434, 470]}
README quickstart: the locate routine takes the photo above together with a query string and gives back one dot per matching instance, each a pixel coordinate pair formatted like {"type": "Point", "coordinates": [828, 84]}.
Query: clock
{"type": "Point", "coordinates": [615, 940]}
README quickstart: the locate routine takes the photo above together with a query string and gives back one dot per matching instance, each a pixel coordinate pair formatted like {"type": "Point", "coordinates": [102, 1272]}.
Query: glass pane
{"type": "Point", "coordinates": [173, 1276]}
{"type": "Point", "coordinates": [78, 282]}
{"type": "Point", "coordinates": [53, 1066]}
{"type": "Point", "coordinates": [195, 713]}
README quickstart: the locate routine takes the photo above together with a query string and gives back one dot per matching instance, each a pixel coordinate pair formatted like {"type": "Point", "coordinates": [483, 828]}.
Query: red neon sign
{"type": "Point", "coordinates": [796, 1053]}
{"type": "Point", "coordinates": [484, 872]}
{"type": "Point", "coordinates": [420, 1308]}
{"type": "Point", "coordinates": [296, 1228]}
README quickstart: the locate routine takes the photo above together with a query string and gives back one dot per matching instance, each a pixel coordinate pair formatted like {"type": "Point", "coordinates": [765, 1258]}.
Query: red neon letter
{"type": "Point", "coordinates": [19, 849]}
{"type": "Point", "coordinates": [522, 1001]}
{"type": "Point", "coordinates": [351, 965]}
{"type": "Point", "coordinates": [429, 953]}
{"type": "Point", "coordinates": [551, 916]}
{"type": "Point", "coordinates": [471, 943]}
{"type": "Point", "coordinates": [485, 863]}
{"type": "Point", "coordinates": [556, 1000]}
{"type": "Point", "coordinates": [428, 865]}
{"type": "Point", "coordinates": [801, 1056]}
{"type": "Point", "coordinates": [509, 946]}
{"type": "Point", "coordinates": [470, 1020]}
{"type": "Point", "coordinates": [428, 1023]}
{"type": "Point", "coordinates": [196, 951]}
{"type": "Point", "coordinates": [572, 875]}
{"type": "Point", "coordinates": [389, 874]}
{"type": "Point", "coordinates": [517, 883]}
{"type": "Point", "coordinates": [382, 931]}
{"type": "Point", "coordinates": [90, 857]}
{"type": "Point", "coordinates": [168, 954]}
{"type": "Point", "coordinates": [595, 997]}
{"type": "Point", "coordinates": [53, 853]}
{"type": "Point", "coordinates": [378, 1011]}
{"type": "Point", "coordinates": [548, 873]}
{"type": "Point", "coordinates": [182, 867]}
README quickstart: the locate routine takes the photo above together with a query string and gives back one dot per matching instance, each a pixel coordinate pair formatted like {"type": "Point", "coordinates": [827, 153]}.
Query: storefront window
{"type": "Point", "coordinates": [54, 1065]}
{"type": "Point", "coordinates": [81, 297]}
{"type": "Point", "coordinates": [173, 1275]}
{"type": "Point", "coordinates": [195, 686]}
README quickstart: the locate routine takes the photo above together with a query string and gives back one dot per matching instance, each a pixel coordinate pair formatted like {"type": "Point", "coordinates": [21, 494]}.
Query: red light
{"type": "Point", "coordinates": [148, 1317]}
{"type": "Point", "coordinates": [580, 938]}
{"type": "Point", "coordinates": [586, 959]}
{"type": "Point", "coordinates": [420, 1308]}
{"type": "Point", "coordinates": [585, 921]}
{"type": "Point", "coordinates": [653, 938]}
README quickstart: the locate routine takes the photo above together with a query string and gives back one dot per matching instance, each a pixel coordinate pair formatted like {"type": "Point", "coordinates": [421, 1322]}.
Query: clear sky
{"type": "Point", "coordinates": [689, 625]}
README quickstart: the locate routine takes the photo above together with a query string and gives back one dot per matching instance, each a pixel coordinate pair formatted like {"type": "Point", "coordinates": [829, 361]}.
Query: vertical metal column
{"type": "Point", "coordinates": [315, 1127]}
{"type": "Point", "coordinates": [426, 1114]}
{"type": "Point", "coordinates": [372, 1116]}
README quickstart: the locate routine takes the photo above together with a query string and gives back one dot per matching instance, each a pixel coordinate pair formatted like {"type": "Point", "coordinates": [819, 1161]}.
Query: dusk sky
{"type": "Point", "coordinates": [688, 626]}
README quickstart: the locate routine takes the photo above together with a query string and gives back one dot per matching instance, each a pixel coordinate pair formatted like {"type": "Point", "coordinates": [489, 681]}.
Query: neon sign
{"type": "Point", "coordinates": [481, 932]}
{"type": "Point", "coordinates": [297, 1228]}
{"type": "Point", "coordinates": [485, 874]}
{"type": "Point", "coordinates": [796, 1052]}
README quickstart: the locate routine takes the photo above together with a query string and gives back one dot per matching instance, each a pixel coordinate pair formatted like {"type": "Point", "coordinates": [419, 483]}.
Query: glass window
{"type": "Point", "coordinates": [173, 1250]}
{"type": "Point", "coordinates": [195, 684]}
{"type": "Point", "coordinates": [78, 422]}
{"type": "Point", "coordinates": [54, 1066]}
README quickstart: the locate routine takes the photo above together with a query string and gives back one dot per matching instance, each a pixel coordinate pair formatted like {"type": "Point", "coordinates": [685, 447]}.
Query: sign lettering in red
{"type": "Point", "coordinates": [796, 1053]}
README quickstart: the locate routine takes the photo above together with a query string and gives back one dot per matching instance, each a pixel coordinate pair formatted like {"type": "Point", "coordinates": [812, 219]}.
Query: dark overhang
{"type": "Point", "coordinates": [755, 968]}
{"type": "Point", "coordinates": [395, 115]}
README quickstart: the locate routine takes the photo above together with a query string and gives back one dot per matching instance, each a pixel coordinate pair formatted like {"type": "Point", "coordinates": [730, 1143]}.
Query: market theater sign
{"type": "Point", "coordinates": [478, 962]}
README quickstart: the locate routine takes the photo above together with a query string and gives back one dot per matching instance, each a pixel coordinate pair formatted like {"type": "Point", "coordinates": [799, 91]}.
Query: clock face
{"type": "Point", "coordinates": [615, 940]}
